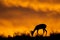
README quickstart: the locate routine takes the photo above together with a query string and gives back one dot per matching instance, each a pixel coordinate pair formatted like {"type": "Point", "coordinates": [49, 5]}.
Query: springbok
{"type": "Point", "coordinates": [40, 26]}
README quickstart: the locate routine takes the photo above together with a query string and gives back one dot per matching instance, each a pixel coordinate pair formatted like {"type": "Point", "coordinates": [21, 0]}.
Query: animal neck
{"type": "Point", "coordinates": [32, 32]}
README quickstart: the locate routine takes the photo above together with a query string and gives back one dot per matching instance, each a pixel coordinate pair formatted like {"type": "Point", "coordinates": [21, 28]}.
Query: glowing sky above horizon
{"type": "Point", "coordinates": [23, 15]}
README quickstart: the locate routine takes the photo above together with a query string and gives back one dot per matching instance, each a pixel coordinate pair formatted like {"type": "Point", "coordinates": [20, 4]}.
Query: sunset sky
{"type": "Point", "coordinates": [23, 15]}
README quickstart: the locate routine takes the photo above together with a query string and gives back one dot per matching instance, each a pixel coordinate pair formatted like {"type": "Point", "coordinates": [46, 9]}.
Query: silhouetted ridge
{"type": "Point", "coordinates": [53, 36]}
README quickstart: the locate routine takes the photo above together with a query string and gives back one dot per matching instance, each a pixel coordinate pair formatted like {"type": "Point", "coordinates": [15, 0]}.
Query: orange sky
{"type": "Point", "coordinates": [24, 15]}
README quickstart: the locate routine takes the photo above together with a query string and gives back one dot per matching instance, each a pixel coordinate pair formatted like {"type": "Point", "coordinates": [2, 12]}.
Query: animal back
{"type": "Point", "coordinates": [40, 26]}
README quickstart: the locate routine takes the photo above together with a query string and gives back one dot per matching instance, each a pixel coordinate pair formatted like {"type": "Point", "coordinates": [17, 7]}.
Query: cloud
{"type": "Point", "coordinates": [50, 1]}
{"type": "Point", "coordinates": [21, 12]}
{"type": "Point", "coordinates": [32, 4]}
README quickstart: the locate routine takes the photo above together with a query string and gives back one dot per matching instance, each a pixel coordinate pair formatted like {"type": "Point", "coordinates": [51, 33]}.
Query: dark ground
{"type": "Point", "coordinates": [54, 36]}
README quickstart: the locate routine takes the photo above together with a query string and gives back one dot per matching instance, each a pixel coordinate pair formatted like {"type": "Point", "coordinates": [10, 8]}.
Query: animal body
{"type": "Point", "coordinates": [38, 27]}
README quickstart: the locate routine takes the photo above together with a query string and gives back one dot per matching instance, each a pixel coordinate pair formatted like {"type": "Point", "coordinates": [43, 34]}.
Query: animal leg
{"type": "Point", "coordinates": [43, 31]}
{"type": "Point", "coordinates": [46, 31]}
{"type": "Point", "coordinates": [37, 32]}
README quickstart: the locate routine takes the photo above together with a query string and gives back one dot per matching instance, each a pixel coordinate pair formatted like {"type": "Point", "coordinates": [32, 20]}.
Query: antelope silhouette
{"type": "Point", "coordinates": [40, 26]}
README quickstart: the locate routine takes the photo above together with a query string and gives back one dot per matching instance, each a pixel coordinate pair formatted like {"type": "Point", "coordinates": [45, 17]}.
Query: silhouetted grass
{"type": "Point", "coordinates": [53, 36]}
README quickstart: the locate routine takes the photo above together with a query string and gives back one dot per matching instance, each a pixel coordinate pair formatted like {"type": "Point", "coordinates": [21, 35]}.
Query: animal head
{"type": "Point", "coordinates": [32, 33]}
